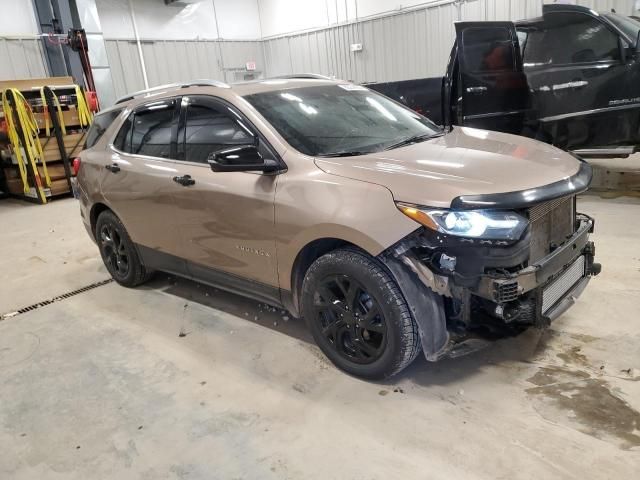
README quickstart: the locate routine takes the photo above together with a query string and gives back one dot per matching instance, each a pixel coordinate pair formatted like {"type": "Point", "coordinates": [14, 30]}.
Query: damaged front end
{"type": "Point", "coordinates": [465, 291]}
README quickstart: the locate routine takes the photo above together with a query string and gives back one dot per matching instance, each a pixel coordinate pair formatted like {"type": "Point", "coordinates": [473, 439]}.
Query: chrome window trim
{"type": "Point", "coordinates": [564, 116]}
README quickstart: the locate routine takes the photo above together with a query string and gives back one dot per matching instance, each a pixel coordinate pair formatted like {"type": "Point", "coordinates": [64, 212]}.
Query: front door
{"type": "Point", "coordinates": [226, 218]}
{"type": "Point", "coordinates": [138, 182]}
{"type": "Point", "coordinates": [584, 88]}
{"type": "Point", "coordinates": [492, 90]}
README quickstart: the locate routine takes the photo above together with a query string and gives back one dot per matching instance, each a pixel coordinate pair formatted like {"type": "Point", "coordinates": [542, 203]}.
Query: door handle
{"type": "Point", "coordinates": [578, 83]}
{"type": "Point", "coordinates": [113, 168]}
{"type": "Point", "coordinates": [184, 180]}
{"type": "Point", "coordinates": [476, 89]}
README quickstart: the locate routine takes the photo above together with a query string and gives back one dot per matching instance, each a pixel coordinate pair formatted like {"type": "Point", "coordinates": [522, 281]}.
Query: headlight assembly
{"type": "Point", "coordinates": [489, 224]}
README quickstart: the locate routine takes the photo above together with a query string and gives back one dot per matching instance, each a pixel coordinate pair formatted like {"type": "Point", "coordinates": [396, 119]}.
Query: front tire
{"type": "Point", "coordinates": [118, 251]}
{"type": "Point", "coordinates": [358, 316]}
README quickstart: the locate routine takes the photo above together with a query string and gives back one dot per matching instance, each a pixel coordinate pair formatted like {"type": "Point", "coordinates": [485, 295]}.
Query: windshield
{"type": "Point", "coordinates": [340, 119]}
{"type": "Point", "coordinates": [628, 25]}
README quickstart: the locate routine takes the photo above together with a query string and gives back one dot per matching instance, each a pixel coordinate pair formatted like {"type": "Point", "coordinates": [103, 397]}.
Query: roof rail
{"type": "Point", "coordinates": [205, 82]}
{"type": "Point", "coordinates": [139, 93]}
{"type": "Point", "coordinates": [316, 76]}
{"type": "Point", "coordinates": [152, 90]}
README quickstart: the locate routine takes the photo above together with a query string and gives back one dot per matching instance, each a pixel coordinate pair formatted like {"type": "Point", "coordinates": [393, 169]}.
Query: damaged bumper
{"type": "Point", "coordinates": [455, 290]}
{"type": "Point", "coordinates": [557, 279]}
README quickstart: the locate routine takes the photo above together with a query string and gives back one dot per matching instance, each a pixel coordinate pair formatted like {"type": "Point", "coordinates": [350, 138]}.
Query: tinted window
{"type": "Point", "coordinates": [630, 26]}
{"type": "Point", "coordinates": [100, 124]}
{"type": "Point", "coordinates": [123, 139]}
{"type": "Point", "coordinates": [151, 132]}
{"type": "Point", "coordinates": [487, 50]}
{"type": "Point", "coordinates": [148, 130]}
{"type": "Point", "coordinates": [568, 38]}
{"type": "Point", "coordinates": [339, 119]}
{"type": "Point", "coordinates": [209, 129]}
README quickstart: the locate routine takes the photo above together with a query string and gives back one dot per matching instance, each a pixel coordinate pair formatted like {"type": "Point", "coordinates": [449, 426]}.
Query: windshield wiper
{"type": "Point", "coordinates": [413, 139]}
{"type": "Point", "coordinates": [345, 153]}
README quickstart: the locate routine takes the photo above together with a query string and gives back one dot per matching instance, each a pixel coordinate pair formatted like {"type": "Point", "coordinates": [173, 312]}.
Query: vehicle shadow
{"type": "Point", "coordinates": [252, 311]}
{"type": "Point", "coordinates": [521, 349]}
{"type": "Point", "coordinates": [515, 352]}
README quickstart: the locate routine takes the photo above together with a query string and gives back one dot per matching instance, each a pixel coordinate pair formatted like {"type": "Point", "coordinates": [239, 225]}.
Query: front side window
{"type": "Point", "coordinates": [488, 50]}
{"type": "Point", "coordinates": [630, 26]}
{"type": "Point", "coordinates": [209, 128]}
{"type": "Point", "coordinates": [148, 130]}
{"type": "Point", "coordinates": [570, 38]}
{"type": "Point", "coordinates": [335, 120]}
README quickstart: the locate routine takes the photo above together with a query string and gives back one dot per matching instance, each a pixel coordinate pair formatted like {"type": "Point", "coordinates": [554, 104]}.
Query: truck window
{"type": "Point", "coordinates": [630, 26]}
{"type": "Point", "coordinates": [568, 38]}
{"type": "Point", "coordinates": [487, 50]}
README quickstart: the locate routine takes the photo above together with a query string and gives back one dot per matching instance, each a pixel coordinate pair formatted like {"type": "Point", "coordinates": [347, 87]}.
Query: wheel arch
{"type": "Point", "coordinates": [305, 258]}
{"type": "Point", "coordinates": [96, 210]}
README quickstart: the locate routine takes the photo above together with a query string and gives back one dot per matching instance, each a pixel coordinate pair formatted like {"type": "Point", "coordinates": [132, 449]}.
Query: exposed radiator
{"type": "Point", "coordinates": [551, 223]}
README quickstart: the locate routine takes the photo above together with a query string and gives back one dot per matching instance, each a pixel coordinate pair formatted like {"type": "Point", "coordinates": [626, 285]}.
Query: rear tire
{"type": "Point", "coordinates": [358, 316]}
{"type": "Point", "coordinates": [118, 252]}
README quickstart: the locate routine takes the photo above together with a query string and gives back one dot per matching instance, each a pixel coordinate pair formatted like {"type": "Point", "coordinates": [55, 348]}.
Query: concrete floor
{"type": "Point", "coordinates": [613, 177]}
{"type": "Point", "coordinates": [101, 385]}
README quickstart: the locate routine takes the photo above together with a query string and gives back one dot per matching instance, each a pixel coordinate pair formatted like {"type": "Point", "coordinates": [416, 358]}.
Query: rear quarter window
{"type": "Point", "coordinates": [100, 124]}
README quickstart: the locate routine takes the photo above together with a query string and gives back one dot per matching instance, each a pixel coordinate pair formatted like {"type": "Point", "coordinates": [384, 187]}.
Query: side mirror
{"type": "Point", "coordinates": [243, 158]}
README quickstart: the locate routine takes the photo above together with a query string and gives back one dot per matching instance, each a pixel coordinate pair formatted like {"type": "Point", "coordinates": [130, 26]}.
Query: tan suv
{"type": "Point", "coordinates": [386, 233]}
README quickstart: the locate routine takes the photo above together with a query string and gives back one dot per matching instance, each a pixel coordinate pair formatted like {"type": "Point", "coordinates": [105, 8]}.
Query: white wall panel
{"type": "Point", "coordinates": [21, 58]}
{"type": "Point", "coordinates": [500, 9]}
{"type": "Point", "coordinates": [125, 66]}
{"type": "Point", "coordinates": [277, 57]}
{"type": "Point", "coordinates": [237, 19]}
{"type": "Point", "coordinates": [169, 61]}
{"type": "Point", "coordinates": [17, 18]}
{"type": "Point", "coordinates": [414, 43]}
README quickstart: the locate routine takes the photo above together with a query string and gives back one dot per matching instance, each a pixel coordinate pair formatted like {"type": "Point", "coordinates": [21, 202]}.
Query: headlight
{"type": "Point", "coordinates": [489, 224]}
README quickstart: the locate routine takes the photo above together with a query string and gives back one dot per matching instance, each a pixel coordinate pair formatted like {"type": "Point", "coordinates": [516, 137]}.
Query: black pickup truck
{"type": "Point", "coordinates": [570, 78]}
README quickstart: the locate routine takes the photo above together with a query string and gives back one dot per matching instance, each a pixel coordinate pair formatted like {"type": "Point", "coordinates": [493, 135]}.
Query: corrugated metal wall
{"type": "Point", "coordinates": [625, 7]}
{"type": "Point", "coordinates": [411, 44]}
{"type": "Point", "coordinates": [168, 61]}
{"type": "Point", "coordinates": [21, 58]}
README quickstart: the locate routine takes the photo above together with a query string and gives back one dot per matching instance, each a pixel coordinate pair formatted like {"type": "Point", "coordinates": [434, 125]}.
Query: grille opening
{"type": "Point", "coordinates": [551, 223]}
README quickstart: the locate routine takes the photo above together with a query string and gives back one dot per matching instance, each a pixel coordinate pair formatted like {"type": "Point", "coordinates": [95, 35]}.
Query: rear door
{"type": "Point", "coordinates": [492, 90]}
{"type": "Point", "coordinates": [584, 84]}
{"type": "Point", "coordinates": [137, 182]}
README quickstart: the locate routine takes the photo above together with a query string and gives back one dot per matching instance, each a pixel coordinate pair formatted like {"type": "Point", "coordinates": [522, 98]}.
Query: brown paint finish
{"type": "Point", "coordinates": [144, 196]}
{"type": "Point", "coordinates": [254, 225]}
{"type": "Point", "coordinates": [464, 161]}
{"type": "Point", "coordinates": [226, 220]}
{"type": "Point", "coordinates": [312, 205]}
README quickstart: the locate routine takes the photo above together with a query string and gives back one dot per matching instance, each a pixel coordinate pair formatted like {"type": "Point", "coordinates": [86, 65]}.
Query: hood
{"type": "Point", "coordinates": [464, 162]}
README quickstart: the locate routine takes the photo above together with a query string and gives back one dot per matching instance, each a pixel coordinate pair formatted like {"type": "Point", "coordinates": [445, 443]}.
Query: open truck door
{"type": "Point", "coordinates": [486, 86]}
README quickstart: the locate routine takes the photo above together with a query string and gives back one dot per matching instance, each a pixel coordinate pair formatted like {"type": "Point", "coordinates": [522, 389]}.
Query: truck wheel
{"type": "Point", "coordinates": [357, 315]}
{"type": "Point", "coordinates": [118, 252]}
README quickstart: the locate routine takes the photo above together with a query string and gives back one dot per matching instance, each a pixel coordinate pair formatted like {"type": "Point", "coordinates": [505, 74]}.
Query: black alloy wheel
{"type": "Point", "coordinates": [114, 250]}
{"type": "Point", "coordinates": [118, 252]}
{"type": "Point", "coordinates": [358, 315]}
{"type": "Point", "coordinates": [350, 319]}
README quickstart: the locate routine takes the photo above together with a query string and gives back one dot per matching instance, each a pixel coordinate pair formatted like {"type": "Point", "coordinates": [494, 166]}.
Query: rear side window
{"type": "Point", "coordinates": [209, 129]}
{"type": "Point", "coordinates": [100, 124]}
{"type": "Point", "coordinates": [570, 38]}
{"type": "Point", "coordinates": [488, 50]}
{"type": "Point", "coordinates": [148, 130]}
